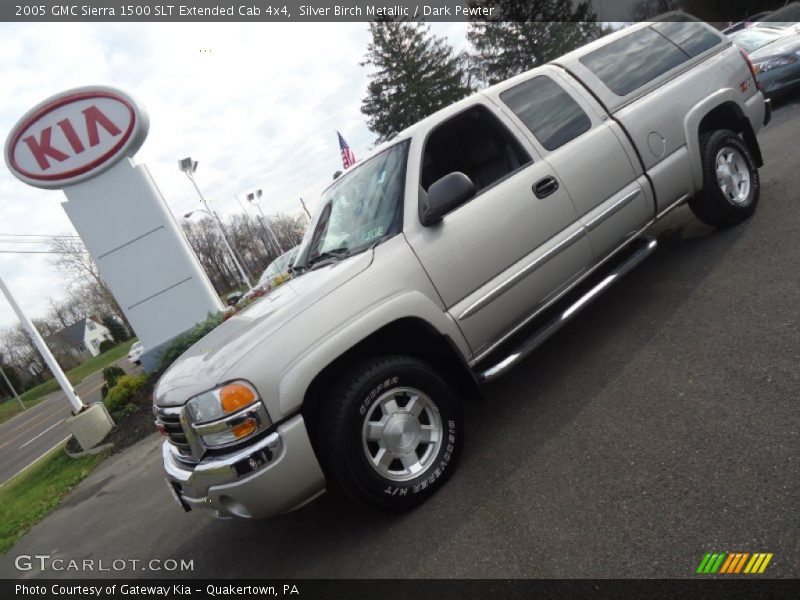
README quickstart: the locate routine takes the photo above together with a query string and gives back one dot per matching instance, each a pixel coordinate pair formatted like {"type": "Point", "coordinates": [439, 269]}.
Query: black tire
{"type": "Point", "coordinates": [362, 394]}
{"type": "Point", "coordinates": [713, 206]}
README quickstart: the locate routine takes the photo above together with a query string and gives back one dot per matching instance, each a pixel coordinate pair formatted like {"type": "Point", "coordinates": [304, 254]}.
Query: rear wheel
{"type": "Point", "coordinates": [392, 433]}
{"type": "Point", "coordinates": [731, 186]}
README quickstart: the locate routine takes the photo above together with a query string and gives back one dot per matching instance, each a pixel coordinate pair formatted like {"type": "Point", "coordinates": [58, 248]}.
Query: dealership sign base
{"type": "Point", "coordinates": [91, 426]}
{"type": "Point", "coordinates": [83, 142]}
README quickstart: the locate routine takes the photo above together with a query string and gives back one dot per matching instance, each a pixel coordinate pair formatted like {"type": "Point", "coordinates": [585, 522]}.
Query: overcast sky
{"type": "Point", "coordinates": [256, 104]}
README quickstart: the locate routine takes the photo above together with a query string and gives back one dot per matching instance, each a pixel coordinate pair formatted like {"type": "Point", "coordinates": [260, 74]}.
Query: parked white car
{"type": "Point", "coordinates": [135, 354]}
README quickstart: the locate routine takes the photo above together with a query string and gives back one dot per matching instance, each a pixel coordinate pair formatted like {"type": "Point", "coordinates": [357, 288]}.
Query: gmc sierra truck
{"type": "Point", "coordinates": [445, 257]}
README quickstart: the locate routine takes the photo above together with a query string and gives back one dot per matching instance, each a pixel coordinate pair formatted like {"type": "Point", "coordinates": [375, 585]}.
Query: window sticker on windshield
{"type": "Point", "coordinates": [382, 176]}
{"type": "Point", "coordinates": [373, 233]}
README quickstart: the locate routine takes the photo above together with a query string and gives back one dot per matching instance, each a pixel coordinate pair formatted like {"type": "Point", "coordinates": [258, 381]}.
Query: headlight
{"type": "Point", "coordinates": [773, 63]}
{"type": "Point", "coordinates": [227, 414]}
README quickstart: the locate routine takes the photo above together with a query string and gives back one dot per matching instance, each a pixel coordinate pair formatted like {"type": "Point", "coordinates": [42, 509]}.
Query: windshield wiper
{"type": "Point", "coordinates": [335, 254]}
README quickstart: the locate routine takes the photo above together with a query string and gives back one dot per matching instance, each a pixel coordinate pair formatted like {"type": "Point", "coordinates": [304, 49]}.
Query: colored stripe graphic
{"type": "Point", "coordinates": [764, 564]}
{"type": "Point", "coordinates": [755, 562]}
{"type": "Point", "coordinates": [740, 564]}
{"type": "Point", "coordinates": [711, 562]}
{"type": "Point", "coordinates": [730, 565]}
{"type": "Point", "coordinates": [703, 563]}
{"type": "Point", "coordinates": [734, 562]}
{"type": "Point", "coordinates": [727, 564]}
{"type": "Point", "coordinates": [718, 562]}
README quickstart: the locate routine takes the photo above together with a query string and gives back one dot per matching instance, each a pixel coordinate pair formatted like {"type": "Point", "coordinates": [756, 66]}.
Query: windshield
{"type": "Point", "coordinates": [362, 208]}
{"type": "Point", "coordinates": [750, 40]}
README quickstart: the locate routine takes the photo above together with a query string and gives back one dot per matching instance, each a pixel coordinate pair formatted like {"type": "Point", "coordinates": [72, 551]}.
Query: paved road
{"type": "Point", "coordinates": [661, 424]}
{"type": "Point", "coordinates": [33, 433]}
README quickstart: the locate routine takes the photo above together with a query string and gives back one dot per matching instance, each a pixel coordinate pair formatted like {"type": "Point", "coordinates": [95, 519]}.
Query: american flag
{"type": "Point", "coordinates": [348, 158]}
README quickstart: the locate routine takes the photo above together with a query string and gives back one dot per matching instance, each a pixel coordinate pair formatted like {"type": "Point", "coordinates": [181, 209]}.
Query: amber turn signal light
{"type": "Point", "coordinates": [234, 396]}
{"type": "Point", "coordinates": [244, 429]}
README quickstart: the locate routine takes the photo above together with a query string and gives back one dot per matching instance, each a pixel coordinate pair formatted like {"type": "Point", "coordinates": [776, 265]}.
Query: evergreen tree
{"type": "Point", "coordinates": [414, 74]}
{"type": "Point", "coordinates": [117, 329]}
{"type": "Point", "coordinates": [527, 34]}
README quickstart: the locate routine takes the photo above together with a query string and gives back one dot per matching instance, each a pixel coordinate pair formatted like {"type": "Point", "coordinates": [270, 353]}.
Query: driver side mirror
{"type": "Point", "coordinates": [444, 195]}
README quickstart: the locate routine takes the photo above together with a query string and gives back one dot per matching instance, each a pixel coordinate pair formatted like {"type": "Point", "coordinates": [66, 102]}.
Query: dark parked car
{"type": "Point", "coordinates": [232, 298]}
{"type": "Point", "coordinates": [775, 54]}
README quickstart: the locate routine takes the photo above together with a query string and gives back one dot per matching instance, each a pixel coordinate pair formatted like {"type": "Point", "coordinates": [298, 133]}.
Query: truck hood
{"type": "Point", "coordinates": [206, 364]}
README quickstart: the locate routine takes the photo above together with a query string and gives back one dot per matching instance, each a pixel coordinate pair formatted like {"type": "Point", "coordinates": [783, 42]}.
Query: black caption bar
{"type": "Point", "coordinates": [391, 589]}
{"type": "Point", "coordinates": [719, 11]}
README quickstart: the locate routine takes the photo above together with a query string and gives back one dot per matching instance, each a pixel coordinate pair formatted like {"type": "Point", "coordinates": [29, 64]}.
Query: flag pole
{"type": "Point", "coordinates": [305, 208]}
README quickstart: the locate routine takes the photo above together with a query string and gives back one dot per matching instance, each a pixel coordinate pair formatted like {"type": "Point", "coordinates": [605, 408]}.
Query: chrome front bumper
{"type": "Point", "coordinates": [273, 475]}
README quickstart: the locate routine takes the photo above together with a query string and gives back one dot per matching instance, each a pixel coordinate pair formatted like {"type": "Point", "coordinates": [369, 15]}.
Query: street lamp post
{"type": "Point", "coordinates": [188, 166]}
{"type": "Point", "coordinates": [228, 247]}
{"type": "Point", "coordinates": [255, 198]}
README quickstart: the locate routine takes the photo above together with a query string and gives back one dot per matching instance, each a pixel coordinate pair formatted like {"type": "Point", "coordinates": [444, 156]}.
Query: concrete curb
{"type": "Point", "coordinates": [82, 453]}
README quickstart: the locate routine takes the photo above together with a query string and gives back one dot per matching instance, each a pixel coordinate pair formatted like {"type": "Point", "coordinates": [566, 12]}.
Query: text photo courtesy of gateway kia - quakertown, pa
{"type": "Point", "coordinates": [467, 298]}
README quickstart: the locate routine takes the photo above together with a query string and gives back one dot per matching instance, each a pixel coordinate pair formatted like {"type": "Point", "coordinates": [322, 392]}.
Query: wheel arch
{"type": "Point", "coordinates": [722, 110]}
{"type": "Point", "coordinates": [411, 336]}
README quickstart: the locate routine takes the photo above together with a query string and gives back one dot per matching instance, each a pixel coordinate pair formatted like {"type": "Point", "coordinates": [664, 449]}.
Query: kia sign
{"type": "Point", "coordinates": [74, 136]}
{"type": "Point", "coordinates": [83, 142]}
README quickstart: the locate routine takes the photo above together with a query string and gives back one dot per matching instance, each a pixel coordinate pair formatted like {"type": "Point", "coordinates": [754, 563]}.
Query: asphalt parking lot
{"type": "Point", "coordinates": [659, 425]}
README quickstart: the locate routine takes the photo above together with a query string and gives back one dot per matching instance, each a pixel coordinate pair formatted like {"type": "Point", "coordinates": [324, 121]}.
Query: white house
{"type": "Point", "coordinates": [82, 339]}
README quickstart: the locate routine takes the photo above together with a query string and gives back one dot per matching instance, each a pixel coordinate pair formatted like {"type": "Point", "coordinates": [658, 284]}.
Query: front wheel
{"type": "Point", "coordinates": [731, 185]}
{"type": "Point", "coordinates": [392, 433]}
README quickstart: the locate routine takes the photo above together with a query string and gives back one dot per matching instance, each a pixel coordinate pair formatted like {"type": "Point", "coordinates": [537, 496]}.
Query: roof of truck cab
{"type": "Point", "coordinates": [452, 109]}
{"type": "Point", "coordinates": [576, 54]}
{"type": "Point", "coordinates": [569, 61]}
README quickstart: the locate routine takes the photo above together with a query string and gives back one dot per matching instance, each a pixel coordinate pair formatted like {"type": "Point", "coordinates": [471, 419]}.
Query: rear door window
{"type": "Point", "coordinates": [547, 110]}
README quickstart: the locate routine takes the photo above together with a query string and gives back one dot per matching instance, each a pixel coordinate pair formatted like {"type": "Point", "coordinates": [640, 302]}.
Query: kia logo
{"type": "Point", "coordinates": [74, 136]}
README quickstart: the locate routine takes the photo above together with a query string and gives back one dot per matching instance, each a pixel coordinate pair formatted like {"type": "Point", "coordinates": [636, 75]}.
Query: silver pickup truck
{"type": "Point", "coordinates": [445, 257]}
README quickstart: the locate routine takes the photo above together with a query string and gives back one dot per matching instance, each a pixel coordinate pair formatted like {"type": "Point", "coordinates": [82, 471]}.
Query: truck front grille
{"type": "Point", "coordinates": [170, 421]}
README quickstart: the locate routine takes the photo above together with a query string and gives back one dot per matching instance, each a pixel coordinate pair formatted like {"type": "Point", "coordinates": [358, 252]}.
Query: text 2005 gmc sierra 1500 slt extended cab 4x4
{"type": "Point", "coordinates": [445, 257]}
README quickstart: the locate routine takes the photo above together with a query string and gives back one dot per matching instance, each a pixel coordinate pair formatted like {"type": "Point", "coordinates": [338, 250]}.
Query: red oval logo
{"type": "Point", "coordinates": [74, 136]}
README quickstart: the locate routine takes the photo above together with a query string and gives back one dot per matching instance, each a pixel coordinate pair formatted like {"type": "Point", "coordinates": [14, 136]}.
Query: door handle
{"type": "Point", "coordinates": [545, 187]}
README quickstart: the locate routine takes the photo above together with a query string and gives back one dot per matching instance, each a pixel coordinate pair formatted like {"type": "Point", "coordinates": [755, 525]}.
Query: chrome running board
{"type": "Point", "coordinates": [643, 247]}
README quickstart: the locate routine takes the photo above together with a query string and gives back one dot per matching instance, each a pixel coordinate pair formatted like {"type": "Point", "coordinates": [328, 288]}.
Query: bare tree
{"type": "Point", "coordinates": [204, 238]}
{"type": "Point", "coordinates": [289, 229]}
{"type": "Point", "coordinates": [72, 259]}
{"type": "Point", "coordinates": [250, 241]}
{"type": "Point", "coordinates": [18, 350]}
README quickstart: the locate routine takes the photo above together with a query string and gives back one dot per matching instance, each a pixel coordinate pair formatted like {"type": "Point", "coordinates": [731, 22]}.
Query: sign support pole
{"type": "Point", "coordinates": [48, 357]}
